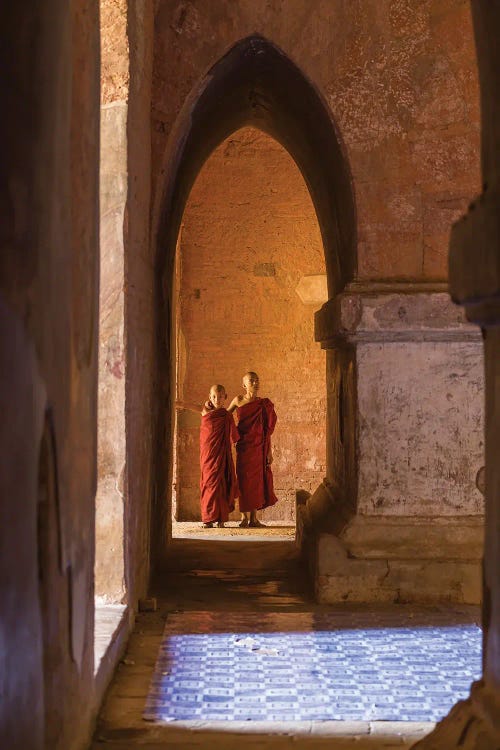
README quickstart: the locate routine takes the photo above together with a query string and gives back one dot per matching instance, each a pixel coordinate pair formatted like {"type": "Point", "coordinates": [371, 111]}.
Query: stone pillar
{"type": "Point", "coordinates": [474, 724]}
{"type": "Point", "coordinates": [127, 302]}
{"type": "Point", "coordinates": [399, 515]}
{"type": "Point", "coordinates": [109, 563]}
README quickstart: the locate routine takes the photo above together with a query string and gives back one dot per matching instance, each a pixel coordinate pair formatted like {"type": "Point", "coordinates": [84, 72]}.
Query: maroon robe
{"type": "Point", "coordinates": [256, 422]}
{"type": "Point", "coordinates": [218, 479]}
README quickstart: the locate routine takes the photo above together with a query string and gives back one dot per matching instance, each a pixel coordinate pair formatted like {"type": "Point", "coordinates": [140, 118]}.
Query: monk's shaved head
{"type": "Point", "coordinates": [217, 388]}
{"type": "Point", "coordinates": [251, 383]}
{"type": "Point", "coordinates": [217, 395]}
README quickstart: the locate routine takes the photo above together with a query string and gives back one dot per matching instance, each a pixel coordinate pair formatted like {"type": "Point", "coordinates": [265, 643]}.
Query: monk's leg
{"type": "Point", "coordinates": [245, 519]}
{"type": "Point", "coordinates": [254, 522]}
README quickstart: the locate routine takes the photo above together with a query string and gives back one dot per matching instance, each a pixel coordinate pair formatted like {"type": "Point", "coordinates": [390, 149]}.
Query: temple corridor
{"type": "Point", "coordinates": [220, 589]}
{"type": "Point", "coordinates": [301, 196]}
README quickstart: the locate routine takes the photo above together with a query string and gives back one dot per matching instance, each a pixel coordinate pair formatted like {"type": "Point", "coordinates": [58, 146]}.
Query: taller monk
{"type": "Point", "coordinates": [254, 456]}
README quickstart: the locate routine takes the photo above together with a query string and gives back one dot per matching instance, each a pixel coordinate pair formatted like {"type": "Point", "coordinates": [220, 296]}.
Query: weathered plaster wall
{"type": "Point", "coordinates": [421, 428]}
{"type": "Point", "coordinates": [249, 238]}
{"type": "Point", "coordinates": [401, 81]}
{"type": "Point", "coordinates": [109, 570]}
{"type": "Point", "coordinates": [126, 418]}
{"type": "Point", "coordinates": [48, 303]}
{"type": "Point", "coordinates": [141, 413]}
{"type": "Point", "coordinates": [111, 444]}
{"type": "Point", "coordinates": [418, 411]}
{"type": "Point", "coordinates": [416, 368]}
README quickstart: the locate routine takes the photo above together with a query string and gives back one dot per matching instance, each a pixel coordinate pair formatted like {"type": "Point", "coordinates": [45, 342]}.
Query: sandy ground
{"type": "Point", "coordinates": [194, 530]}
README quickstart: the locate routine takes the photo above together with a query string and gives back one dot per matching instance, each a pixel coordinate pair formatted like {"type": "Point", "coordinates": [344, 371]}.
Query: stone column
{"type": "Point", "coordinates": [399, 516]}
{"type": "Point", "coordinates": [474, 724]}
{"type": "Point", "coordinates": [109, 563]}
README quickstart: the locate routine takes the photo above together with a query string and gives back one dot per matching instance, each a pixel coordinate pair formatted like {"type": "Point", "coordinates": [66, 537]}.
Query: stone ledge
{"type": "Point", "coordinates": [342, 578]}
{"type": "Point", "coordinates": [411, 314]}
{"type": "Point", "coordinates": [334, 735]}
{"type": "Point", "coordinates": [436, 538]}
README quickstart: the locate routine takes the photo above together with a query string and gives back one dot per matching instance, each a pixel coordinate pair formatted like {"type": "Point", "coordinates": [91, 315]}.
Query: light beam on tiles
{"type": "Point", "coordinates": [411, 673]}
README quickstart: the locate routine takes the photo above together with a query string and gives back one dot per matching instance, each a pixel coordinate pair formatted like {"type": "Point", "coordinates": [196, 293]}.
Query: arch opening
{"type": "Point", "coordinates": [255, 84]}
{"type": "Point", "coordinates": [250, 272]}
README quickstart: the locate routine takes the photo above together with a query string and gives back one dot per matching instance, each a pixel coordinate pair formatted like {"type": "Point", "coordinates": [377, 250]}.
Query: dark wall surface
{"type": "Point", "coordinates": [48, 316]}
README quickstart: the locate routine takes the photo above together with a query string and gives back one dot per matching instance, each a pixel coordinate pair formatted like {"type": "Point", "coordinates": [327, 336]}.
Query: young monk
{"type": "Point", "coordinates": [218, 485]}
{"type": "Point", "coordinates": [254, 456]}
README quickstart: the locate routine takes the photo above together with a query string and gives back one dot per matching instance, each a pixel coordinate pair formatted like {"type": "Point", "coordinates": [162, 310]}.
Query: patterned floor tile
{"type": "Point", "coordinates": [309, 667]}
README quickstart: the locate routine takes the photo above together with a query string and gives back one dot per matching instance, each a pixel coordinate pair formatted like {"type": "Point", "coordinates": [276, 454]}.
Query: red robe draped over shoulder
{"type": "Point", "coordinates": [256, 422]}
{"type": "Point", "coordinates": [218, 479]}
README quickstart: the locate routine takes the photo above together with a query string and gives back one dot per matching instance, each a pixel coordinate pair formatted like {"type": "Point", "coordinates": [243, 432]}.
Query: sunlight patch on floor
{"type": "Point", "coordinates": [315, 668]}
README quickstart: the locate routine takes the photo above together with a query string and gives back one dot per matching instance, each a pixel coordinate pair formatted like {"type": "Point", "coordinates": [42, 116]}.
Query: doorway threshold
{"type": "Point", "coordinates": [273, 532]}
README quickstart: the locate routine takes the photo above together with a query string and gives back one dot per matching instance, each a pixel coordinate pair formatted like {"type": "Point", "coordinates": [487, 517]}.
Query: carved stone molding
{"type": "Point", "coordinates": [475, 260]}
{"type": "Point", "coordinates": [386, 313]}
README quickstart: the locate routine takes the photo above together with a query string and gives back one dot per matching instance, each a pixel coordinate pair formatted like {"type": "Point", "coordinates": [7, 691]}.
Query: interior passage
{"type": "Point", "coordinates": [238, 653]}
{"type": "Point", "coordinates": [390, 111]}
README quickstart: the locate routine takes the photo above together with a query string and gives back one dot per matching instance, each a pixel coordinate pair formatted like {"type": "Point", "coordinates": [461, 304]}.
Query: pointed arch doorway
{"type": "Point", "coordinates": [255, 84]}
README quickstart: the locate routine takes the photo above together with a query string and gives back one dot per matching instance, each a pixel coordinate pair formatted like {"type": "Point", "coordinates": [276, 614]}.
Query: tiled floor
{"type": "Point", "coordinates": [313, 666]}
{"type": "Point", "coordinates": [257, 590]}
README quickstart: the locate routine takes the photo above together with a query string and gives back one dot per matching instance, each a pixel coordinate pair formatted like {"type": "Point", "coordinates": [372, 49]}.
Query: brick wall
{"type": "Point", "coordinates": [249, 235]}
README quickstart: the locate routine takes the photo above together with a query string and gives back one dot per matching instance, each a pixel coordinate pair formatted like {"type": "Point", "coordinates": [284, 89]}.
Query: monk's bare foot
{"type": "Point", "coordinates": [221, 525]}
{"type": "Point", "coordinates": [207, 525]}
{"type": "Point", "coordinates": [256, 524]}
{"type": "Point", "coordinates": [244, 523]}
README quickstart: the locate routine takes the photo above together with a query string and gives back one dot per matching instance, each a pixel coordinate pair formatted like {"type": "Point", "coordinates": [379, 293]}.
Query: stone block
{"type": "Point", "coordinates": [342, 577]}
{"type": "Point", "coordinates": [313, 289]}
{"type": "Point", "coordinates": [362, 586]}
{"type": "Point", "coordinates": [435, 581]}
{"type": "Point", "coordinates": [420, 428]}
{"type": "Point", "coordinates": [400, 537]}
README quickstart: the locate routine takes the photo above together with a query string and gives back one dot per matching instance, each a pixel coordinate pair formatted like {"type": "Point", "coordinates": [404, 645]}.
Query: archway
{"type": "Point", "coordinates": [256, 84]}
{"type": "Point", "coordinates": [250, 273]}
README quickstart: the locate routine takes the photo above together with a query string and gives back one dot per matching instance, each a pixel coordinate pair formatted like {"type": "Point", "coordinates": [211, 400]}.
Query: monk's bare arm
{"type": "Point", "coordinates": [207, 406]}
{"type": "Point", "coordinates": [190, 406]}
{"type": "Point", "coordinates": [269, 458]}
{"type": "Point", "coordinates": [234, 404]}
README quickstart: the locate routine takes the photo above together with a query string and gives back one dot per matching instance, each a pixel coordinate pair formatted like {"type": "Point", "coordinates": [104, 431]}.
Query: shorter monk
{"type": "Point", "coordinates": [218, 486]}
{"type": "Point", "coordinates": [254, 456]}
{"type": "Point", "coordinates": [218, 479]}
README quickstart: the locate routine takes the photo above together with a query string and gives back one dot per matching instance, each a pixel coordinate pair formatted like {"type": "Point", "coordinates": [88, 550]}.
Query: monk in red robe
{"type": "Point", "coordinates": [254, 456]}
{"type": "Point", "coordinates": [218, 478]}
